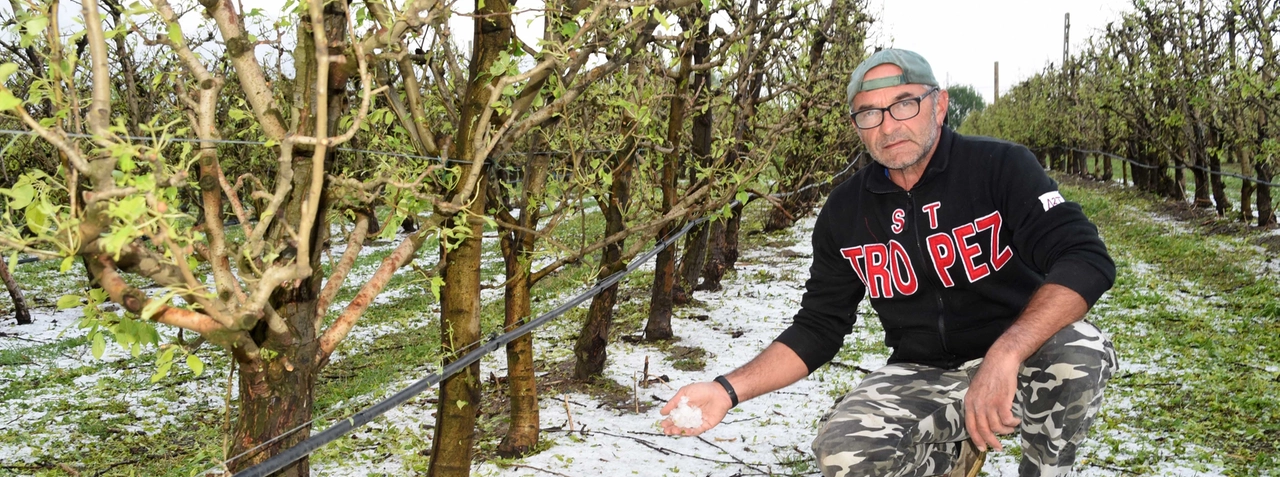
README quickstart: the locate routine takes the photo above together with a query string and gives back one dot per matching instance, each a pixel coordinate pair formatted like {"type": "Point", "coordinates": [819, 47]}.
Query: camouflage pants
{"type": "Point", "coordinates": [908, 419]}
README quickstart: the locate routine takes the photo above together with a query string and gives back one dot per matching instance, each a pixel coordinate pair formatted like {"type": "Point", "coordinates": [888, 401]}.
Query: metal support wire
{"type": "Point", "coordinates": [242, 142]}
{"type": "Point", "coordinates": [1180, 165]}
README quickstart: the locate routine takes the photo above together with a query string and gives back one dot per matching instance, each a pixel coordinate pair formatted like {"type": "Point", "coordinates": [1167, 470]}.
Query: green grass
{"type": "Point", "coordinates": [1196, 325]}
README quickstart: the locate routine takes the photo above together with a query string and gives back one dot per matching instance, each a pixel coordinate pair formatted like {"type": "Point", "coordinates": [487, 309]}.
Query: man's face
{"type": "Point", "coordinates": [900, 144]}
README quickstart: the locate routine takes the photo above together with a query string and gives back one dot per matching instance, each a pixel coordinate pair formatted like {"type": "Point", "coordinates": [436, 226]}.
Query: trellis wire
{"type": "Point", "coordinates": [246, 142]}
{"type": "Point", "coordinates": [1177, 166]}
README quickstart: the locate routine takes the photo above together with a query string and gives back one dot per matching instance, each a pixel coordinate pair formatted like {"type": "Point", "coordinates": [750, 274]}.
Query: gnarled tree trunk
{"type": "Point", "coordinates": [664, 270]}
{"type": "Point", "coordinates": [20, 310]}
{"type": "Point", "coordinates": [591, 349]}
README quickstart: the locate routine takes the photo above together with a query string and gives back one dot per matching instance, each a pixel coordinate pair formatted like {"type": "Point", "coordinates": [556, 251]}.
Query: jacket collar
{"type": "Point", "coordinates": [879, 182]}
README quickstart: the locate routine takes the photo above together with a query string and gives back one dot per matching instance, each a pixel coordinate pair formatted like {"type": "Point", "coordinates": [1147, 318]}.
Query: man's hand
{"type": "Point", "coordinates": [988, 406]}
{"type": "Point", "coordinates": [710, 397]}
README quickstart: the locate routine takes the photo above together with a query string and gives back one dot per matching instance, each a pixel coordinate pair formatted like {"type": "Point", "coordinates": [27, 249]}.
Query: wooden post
{"type": "Point", "coordinates": [997, 95]}
{"type": "Point", "coordinates": [1066, 39]}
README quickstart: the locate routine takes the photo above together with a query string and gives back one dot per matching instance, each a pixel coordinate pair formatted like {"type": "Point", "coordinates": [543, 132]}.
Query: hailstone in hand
{"type": "Point", "coordinates": [686, 416]}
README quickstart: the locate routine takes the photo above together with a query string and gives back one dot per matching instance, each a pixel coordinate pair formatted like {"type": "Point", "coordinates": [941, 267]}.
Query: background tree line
{"type": "Point", "coordinates": [201, 177]}
{"type": "Point", "coordinates": [1179, 86]}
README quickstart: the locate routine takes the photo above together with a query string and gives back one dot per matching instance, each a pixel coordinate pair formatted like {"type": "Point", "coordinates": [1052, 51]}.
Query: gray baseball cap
{"type": "Point", "coordinates": [915, 70]}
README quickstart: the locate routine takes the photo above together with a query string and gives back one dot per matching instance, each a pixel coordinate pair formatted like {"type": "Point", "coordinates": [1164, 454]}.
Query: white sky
{"type": "Point", "coordinates": [960, 39]}
{"type": "Point", "coordinates": [963, 39]}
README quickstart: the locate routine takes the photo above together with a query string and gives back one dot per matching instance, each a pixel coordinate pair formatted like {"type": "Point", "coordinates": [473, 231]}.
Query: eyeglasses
{"type": "Point", "coordinates": [901, 111]}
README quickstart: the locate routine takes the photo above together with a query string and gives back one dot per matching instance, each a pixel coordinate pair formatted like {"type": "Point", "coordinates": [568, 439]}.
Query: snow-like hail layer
{"type": "Point", "coordinates": [768, 434]}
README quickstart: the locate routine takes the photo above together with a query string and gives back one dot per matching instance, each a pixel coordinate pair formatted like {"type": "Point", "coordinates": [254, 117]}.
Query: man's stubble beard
{"type": "Point", "coordinates": [924, 148]}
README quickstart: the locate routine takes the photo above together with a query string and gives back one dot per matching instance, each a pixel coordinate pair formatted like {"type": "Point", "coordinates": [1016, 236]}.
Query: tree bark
{"type": "Point", "coordinates": [1246, 187]}
{"type": "Point", "coordinates": [517, 249]}
{"type": "Point", "coordinates": [522, 387]}
{"type": "Point", "coordinates": [459, 328]}
{"type": "Point", "coordinates": [277, 395]}
{"type": "Point", "coordinates": [1266, 215]}
{"type": "Point", "coordinates": [1200, 177]}
{"type": "Point", "coordinates": [460, 299]}
{"type": "Point", "coordinates": [714, 267]}
{"type": "Point", "coordinates": [664, 271]}
{"type": "Point", "coordinates": [20, 310]}
{"type": "Point", "coordinates": [276, 391]}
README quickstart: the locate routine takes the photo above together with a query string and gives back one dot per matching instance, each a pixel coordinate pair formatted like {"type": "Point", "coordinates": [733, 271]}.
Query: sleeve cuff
{"type": "Point", "coordinates": [811, 348]}
{"type": "Point", "coordinates": [1083, 278]}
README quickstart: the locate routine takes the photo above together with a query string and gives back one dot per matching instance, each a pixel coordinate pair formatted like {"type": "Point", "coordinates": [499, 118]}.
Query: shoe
{"type": "Point", "coordinates": [970, 462]}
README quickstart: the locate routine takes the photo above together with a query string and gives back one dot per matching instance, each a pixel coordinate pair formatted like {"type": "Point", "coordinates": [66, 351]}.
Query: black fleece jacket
{"type": "Point", "coordinates": [950, 264]}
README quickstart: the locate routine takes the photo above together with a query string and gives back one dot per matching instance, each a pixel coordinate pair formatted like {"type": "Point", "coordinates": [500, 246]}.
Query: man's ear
{"type": "Point", "coordinates": [944, 102]}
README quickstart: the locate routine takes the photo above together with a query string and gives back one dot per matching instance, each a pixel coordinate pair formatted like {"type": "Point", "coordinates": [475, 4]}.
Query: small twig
{"type": "Point", "coordinates": [745, 419]}
{"type": "Point", "coordinates": [851, 366]}
{"type": "Point", "coordinates": [663, 450]}
{"type": "Point", "coordinates": [568, 412]}
{"type": "Point", "coordinates": [721, 449]}
{"type": "Point", "coordinates": [1116, 469]}
{"type": "Point", "coordinates": [14, 336]}
{"type": "Point", "coordinates": [646, 369]}
{"type": "Point", "coordinates": [530, 467]}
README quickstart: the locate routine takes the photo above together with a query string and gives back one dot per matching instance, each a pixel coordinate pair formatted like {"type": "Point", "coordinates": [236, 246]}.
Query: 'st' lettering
{"type": "Point", "coordinates": [931, 210]}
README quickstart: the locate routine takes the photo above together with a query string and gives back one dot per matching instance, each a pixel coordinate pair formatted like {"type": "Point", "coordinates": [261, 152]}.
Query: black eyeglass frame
{"type": "Point", "coordinates": [889, 109]}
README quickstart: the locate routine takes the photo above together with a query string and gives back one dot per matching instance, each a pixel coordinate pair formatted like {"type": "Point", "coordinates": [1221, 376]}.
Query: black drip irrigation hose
{"type": "Point", "coordinates": [338, 429]}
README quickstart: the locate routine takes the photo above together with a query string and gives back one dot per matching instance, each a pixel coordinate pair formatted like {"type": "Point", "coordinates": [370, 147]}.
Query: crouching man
{"type": "Point", "coordinates": [980, 273]}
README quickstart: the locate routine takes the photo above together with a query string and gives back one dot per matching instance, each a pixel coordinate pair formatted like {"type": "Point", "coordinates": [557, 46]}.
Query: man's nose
{"type": "Point", "coordinates": [890, 123]}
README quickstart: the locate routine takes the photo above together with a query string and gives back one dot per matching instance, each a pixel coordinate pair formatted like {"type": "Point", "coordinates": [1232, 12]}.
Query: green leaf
{"type": "Point", "coordinates": [36, 25]}
{"type": "Point", "coordinates": [568, 29]}
{"type": "Point", "coordinates": [161, 372]}
{"type": "Point", "coordinates": [436, 283]}
{"type": "Point", "coordinates": [175, 33]}
{"type": "Point", "coordinates": [21, 194]}
{"type": "Point", "coordinates": [99, 345]}
{"type": "Point", "coordinates": [68, 301]}
{"type": "Point", "coordinates": [166, 356]}
{"type": "Point", "coordinates": [7, 70]}
{"type": "Point", "coordinates": [127, 164]}
{"type": "Point", "coordinates": [8, 101]}
{"type": "Point", "coordinates": [460, 403]}
{"type": "Point", "coordinates": [67, 263]}
{"type": "Point", "coordinates": [195, 364]}
{"type": "Point", "coordinates": [662, 19]}
{"type": "Point", "coordinates": [37, 218]}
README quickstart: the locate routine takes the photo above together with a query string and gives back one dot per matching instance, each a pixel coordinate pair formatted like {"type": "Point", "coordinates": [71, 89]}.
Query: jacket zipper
{"type": "Point", "coordinates": [937, 291]}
